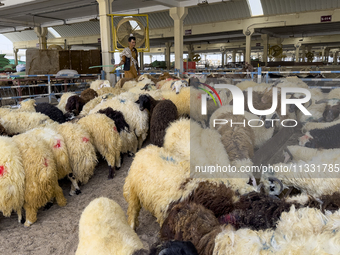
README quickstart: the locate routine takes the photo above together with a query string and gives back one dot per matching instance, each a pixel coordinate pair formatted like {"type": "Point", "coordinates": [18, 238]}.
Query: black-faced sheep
{"type": "Point", "coordinates": [88, 95]}
{"type": "Point", "coordinates": [51, 111]}
{"type": "Point", "coordinates": [173, 248]}
{"type": "Point", "coordinates": [75, 104]}
{"type": "Point", "coordinates": [327, 138]}
{"type": "Point", "coordinates": [162, 113]}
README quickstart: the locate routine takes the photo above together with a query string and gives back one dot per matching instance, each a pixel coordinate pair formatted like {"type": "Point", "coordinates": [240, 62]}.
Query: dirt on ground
{"type": "Point", "coordinates": [56, 230]}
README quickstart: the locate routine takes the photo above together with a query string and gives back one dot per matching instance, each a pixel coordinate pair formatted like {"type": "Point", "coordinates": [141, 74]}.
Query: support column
{"type": "Point", "coordinates": [233, 56]}
{"type": "Point", "coordinates": [223, 52]}
{"type": "Point", "coordinates": [303, 49]}
{"type": "Point", "coordinates": [42, 35]}
{"type": "Point", "coordinates": [178, 14]}
{"type": "Point", "coordinates": [141, 60]}
{"type": "Point", "coordinates": [167, 54]}
{"type": "Point", "coordinates": [16, 56]}
{"type": "Point", "coordinates": [247, 56]}
{"type": "Point", "coordinates": [326, 54]}
{"type": "Point", "coordinates": [105, 35]}
{"type": "Point", "coordinates": [335, 57]}
{"type": "Point", "coordinates": [265, 38]}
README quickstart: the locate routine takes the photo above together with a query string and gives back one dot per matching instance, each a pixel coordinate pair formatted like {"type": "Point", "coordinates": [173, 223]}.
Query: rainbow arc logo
{"type": "Point", "coordinates": [208, 92]}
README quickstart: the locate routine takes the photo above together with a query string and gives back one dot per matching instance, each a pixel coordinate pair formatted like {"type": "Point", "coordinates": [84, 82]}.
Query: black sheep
{"type": "Point", "coordinates": [75, 104]}
{"type": "Point", "coordinates": [162, 113]}
{"type": "Point", "coordinates": [51, 111]}
{"type": "Point", "coordinates": [117, 117]}
{"type": "Point", "coordinates": [173, 248]}
{"type": "Point", "coordinates": [327, 138]}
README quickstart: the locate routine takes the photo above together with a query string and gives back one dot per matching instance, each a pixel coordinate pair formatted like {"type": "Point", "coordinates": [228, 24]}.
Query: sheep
{"type": "Point", "coordinates": [82, 154]}
{"type": "Point", "coordinates": [143, 187]}
{"type": "Point", "coordinates": [129, 139]}
{"type": "Point", "coordinates": [251, 84]}
{"type": "Point", "coordinates": [91, 104]}
{"type": "Point", "coordinates": [27, 105]}
{"type": "Point", "coordinates": [183, 134]}
{"type": "Point", "coordinates": [98, 84]}
{"type": "Point", "coordinates": [168, 84]}
{"type": "Point", "coordinates": [120, 83]}
{"type": "Point", "coordinates": [327, 138]}
{"type": "Point", "coordinates": [261, 133]}
{"type": "Point", "coordinates": [41, 178]}
{"type": "Point", "coordinates": [103, 230]}
{"type": "Point", "coordinates": [191, 222]}
{"type": "Point", "coordinates": [58, 147]}
{"type": "Point", "coordinates": [75, 104]}
{"type": "Point", "coordinates": [332, 108]}
{"type": "Point", "coordinates": [162, 113]}
{"type": "Point", "coordinates": [12, 178]}
{"type": "Point", "coordinates": [51, 111]}
{"type": "Point", "coordinates": [315, 125]}
{"type": "Point", "coordinates": [20, 122]}
{"type": "Point", "coordinates": [104, 136]}
{"type": "Point", "coordinates": [238, 140]}
{"type": "Point", "coordinates": [63, 101]}
{"type": "Point", "coordinates": [114, 91]}
{"type": "Point", "coordinates": [181, 100]}
{"type": "Point", "coordinates": [88, 95]}
{"type": "Point", "coordinates": [137, 120]}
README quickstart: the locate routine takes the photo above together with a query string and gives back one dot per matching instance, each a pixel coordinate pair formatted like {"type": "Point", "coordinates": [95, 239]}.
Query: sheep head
{"type": "Point", "coordinates": [178, 84]}
{"type": "Point", "coordinates": [144, 102]}
{"type": "Point", "coordinates": [331, 111]}
{"type": "Point", "coordinates": [306, 139]}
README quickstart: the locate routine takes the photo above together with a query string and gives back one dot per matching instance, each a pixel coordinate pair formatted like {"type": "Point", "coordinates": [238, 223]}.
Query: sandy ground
{"type": "Point", "coordinates": [56, 230]}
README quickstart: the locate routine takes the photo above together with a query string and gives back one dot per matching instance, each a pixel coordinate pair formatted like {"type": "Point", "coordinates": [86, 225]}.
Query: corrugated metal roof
{"type": "Point", "coordinates": [275, 7]}
{"type": "Point", "coordinates": [79, 29]}
{"type": "Point", "coordinates": [28, 35]}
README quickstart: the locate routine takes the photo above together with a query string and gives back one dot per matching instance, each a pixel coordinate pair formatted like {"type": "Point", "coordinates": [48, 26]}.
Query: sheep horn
{"type": "Point", "coordinates": [186, 82]}
{"type": "Point", "coordinates": [173, 83]}
{"type": "Point", "coordinates": [274, 179]}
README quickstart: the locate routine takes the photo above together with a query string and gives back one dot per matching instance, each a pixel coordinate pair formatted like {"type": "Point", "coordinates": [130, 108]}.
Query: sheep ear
{"type": "Point", "coordinates": [137, 102]}
{"type": "Point", "coordinates": [173, 88]}
{"type": "Point", "coordinates": [172, 83]}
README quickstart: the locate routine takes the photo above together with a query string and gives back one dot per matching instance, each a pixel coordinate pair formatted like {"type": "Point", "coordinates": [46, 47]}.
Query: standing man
{"type": "Point", "coordinates": [129, 58]}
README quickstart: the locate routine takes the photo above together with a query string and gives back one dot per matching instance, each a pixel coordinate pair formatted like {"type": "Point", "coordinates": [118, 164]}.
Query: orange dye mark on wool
{"type": "Point", "coordinates": [85, 139]}
{"type": "Point", "coordinates": [58, 145]}
{"type": "Point", "coordinates": [2, 170]}
{"type": "Point", "coordinates": [45, 163]}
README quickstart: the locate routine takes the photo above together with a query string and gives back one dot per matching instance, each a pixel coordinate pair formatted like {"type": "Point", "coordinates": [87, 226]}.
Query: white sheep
{"type": "Point", "coordinates": [95, 101]}
{"type": "Point", "coordinates": [109, 90]}
{"type": "Point", "coordinates": [181, 100]}
{"type": "Point", "coordinates": [57, 145]}
{"type": "Point", "coordinates": [137, 120]}
{"type": "Point", "coordinates": [41, 177]}
{"type": "Point", "coordinates": [20, 122]}
{"type": "Point", "coordinates": [12, 178]}
{"type": "Point", "coordinates": [104, 136]}
{"type": "Point", "coordinates": [103, 230]}
{"type": "Point", "coordinates": [98, 84]}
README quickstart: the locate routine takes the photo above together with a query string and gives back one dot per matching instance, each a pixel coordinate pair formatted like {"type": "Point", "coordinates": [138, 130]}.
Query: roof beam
{"type": "Point", "coordinates": [168, 3]}
{"type": "Point", "coordinates": [23, 23]}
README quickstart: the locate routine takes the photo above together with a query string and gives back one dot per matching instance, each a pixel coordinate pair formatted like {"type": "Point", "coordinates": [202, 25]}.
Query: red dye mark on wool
{"type": "Point", "coordinates": [199, 96]}
{"type": "Point", "coordinates": [58, 145]}
{"type": "Point", "coordinates": [115, 129]}
{"type": "Point", "coordinates": [45, 163]}
{"type": "Point", "coordinates": [2, 170]}
{"type": "Point", "coordinates": [85, 139]}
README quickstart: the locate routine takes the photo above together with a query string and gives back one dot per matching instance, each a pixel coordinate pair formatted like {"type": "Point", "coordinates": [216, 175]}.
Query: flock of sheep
{"type": "Point", "coordinates": [199, 212]}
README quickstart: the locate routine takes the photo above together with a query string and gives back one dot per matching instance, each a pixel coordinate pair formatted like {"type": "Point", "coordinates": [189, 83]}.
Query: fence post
{"type": "Point", "coordinates": [259, 75]}
{"type": "Point", "coordinates": [102, 75]}
{"type": "Point", "coordinates": [49, 88]}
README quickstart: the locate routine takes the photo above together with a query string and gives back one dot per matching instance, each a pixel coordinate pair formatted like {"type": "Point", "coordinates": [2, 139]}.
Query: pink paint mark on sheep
{"type": "Point", "coordinates": [2, 170]}
{"type": "Point", "coordinates": [45, 163]}
{"type": "Point", "coordinates": [85, 140]}
{"type": "Point", "coordinates": [115, 129]}
{"type": "Point", "coordinates": [58, 145]}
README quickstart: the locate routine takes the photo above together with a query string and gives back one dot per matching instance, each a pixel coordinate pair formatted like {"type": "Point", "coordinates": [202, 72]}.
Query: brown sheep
{"type": "Point", "coordinates": [88, 94]}
{"type": "Point", "coordinates": [75, 104]}
{"type": "Point", "coordinates": [238, 140]}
